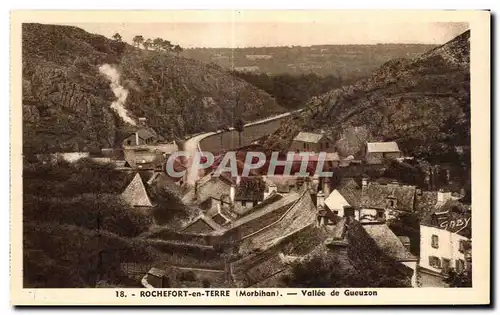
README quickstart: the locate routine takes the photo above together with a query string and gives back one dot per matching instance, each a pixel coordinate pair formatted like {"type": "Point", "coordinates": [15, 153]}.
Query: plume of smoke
{"type": "Point", "coordinates": [120, 92]}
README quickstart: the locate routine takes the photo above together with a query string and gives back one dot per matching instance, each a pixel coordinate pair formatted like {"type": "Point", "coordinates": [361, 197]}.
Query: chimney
{"type": "Point", "coordinates": [238, 180]}
{"type": "Point", "coordinates": [349, 212]}
{"type": "Point", "coordinates": [443, 196]}
{"type": "Point", "coordinates": [326, 187]}
{"type": "Point", "coordinates": [322, 218]}
{"type": "Point", "coordinates": [232, 194]}
{"type": "Point", "coordinates": [320, 200]}
{"type": "Point", "coordinates": [271, 187]}
{"type": "Point", "coordinates": [136, 138]}
{"type": "Point", "coordinates": [196, 190]}
{"type": "Point", "coordinates": [364, 182]}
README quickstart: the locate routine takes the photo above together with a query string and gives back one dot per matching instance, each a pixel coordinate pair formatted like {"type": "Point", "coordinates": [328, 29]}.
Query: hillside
{"type": "Point", "coordinates": [67, 93]}
{"type": "Point", "coordinates": [344, 61]}
{"type": "Point", "coordinates": [423, 103]}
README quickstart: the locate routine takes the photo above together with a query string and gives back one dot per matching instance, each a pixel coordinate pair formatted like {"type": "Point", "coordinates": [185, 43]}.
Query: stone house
{"type": "Point", "coordinates": [312, 142]}
{"type": "Point", "coordinates": [378, 152]}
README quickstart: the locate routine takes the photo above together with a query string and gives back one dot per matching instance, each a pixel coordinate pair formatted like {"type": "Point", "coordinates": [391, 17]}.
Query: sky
{"type": "Point", "coordinates": [267, 33]}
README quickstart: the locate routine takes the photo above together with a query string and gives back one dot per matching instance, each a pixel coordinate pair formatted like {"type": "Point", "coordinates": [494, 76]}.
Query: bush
{"type": "Point", "coordinates": [187, 276]}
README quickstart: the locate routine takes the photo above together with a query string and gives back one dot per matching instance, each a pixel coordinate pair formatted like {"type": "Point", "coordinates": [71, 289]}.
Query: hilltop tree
{"type": "Point", "coordinates": [178, 49]}
{"type": "Point", "coordinates": [138, 40]}
{"type": "Point", "coordinates": [166, 45]}
{"type": "Point", "coordinates": [117, 37]}
{"type": "Point", "coordinates": [147, 43]}
{"type": "Point", "coordinates": [157, 43]}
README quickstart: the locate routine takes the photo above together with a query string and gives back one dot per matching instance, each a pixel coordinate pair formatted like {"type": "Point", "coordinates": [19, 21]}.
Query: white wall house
{"type": "Point", "coordinates": [442, 246]}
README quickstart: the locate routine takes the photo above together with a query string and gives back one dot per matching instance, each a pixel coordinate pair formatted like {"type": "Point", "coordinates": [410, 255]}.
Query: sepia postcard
{"type": "Point", "coordinates": [250, 157]}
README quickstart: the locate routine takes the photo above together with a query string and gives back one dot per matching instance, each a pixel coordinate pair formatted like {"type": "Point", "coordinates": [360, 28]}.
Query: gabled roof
{"type": "Point", "coordinates": [374, 196]}
{"type": "Point", "coordinates": [374, 147]}
{"type": "Point", "coordinates": [336, 201]}
{"type": "Point", "coordinates": [206, 220]}
{"type": "Point", "coordinates": [286, 201]}
{"type": "Point", "coordinates": [250, 189]}
{"type": "Point", "coordinates": [145, 134]}
{"type": "Point", "coordinates": [388, 242]}
{"type": "Point", "coordinates": [351, 191]}
{"type": "Point", "coordinates": [135, 194]}
{"type": "Point", "coordinates": [446, 218]}
{"type": "Point", "coordinates": [308, 137]}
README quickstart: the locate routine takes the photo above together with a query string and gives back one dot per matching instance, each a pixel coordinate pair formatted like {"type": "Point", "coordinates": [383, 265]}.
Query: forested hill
{"type": "Point", "coordinates": [423, 103]}
{"type": "Point", "coordinates": [66, 99]}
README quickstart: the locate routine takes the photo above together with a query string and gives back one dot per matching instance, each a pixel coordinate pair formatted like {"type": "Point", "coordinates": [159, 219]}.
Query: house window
{"type": "Point", "coordinates": [129, 142]}
{"type": "Point", "coordinates": [445, 265]}
{"type": "Point", "coordinates": [244, 203]}
{"type": "Point", "coordinates": [336, 212]}
{"type": "Point", "coordinates": [305, 146]}
{"type": "Point", "coordinates": [435, 241]}
{"type": "Point", "coordinates": [391, 203]}
{"type": "Point", "coordinates": [460, 265]}
{"type": "Point", "coordinates": [380, 214]}
{"type": "Point", "coordinates": [327, 145]}
{"type": "Point", "coordinates": [434, 262]}
{"type": "Point", "coordinates": [463, 246]}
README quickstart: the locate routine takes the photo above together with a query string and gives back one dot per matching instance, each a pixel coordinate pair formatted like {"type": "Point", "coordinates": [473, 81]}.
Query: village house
{"type": "Point", "coordinates": [312, 142]}
{"type": "Point", "coordinates": [140, 137]}
{"type": "Point", "coordinates": [392, 246]}
{"type": "Point", "coordinates": [380, 202]}
{"type": "Point", "coordinates": [378, 152]}
{"type": "Point", "coordinates": [444, 243]}
{"type": "Point", "coordinates": [143, 159]}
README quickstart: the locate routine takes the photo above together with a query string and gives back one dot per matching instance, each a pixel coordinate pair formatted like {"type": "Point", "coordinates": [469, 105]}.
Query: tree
{"type": "Point", "coordinates": [147, 43]}
{"type": "Point", "coordinates": [459, 280]}
{"type": "Point", "coordinates": [157, 43]}
{"type": "Point", "coordinates": [239, 126]}
{"type": "Point", "coordinates": [138, 40]}
{"type": "Point", "coordinates": [178, 49]}
{"type": "Point", "coordinates": [117, 37]}
{"type": "Point", "coordinates": [329, 272]}
{"type": "Point", "coordinates": [166, 45]}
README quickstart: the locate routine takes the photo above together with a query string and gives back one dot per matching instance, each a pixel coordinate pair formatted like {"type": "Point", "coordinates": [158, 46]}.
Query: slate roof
{"type": "Point", "coordinates": [135, 194]}
{"type": "Point", "coordinates": [144, 134]}
{"type": "Point", "coordinates": [211, 223]}
{"type": "Point", "coordinates": [156, 272]}
{"type": "Point", "coordinates": [374, 196]}
{"type": "Point", "coordinates": [351, 191]}
{"type": "Point", "coordinates": [250, 189]}
{"type": "Point", "coordinates": [374, 147]}
{"type": "Point", "coordinates": [388, 242]}
{"type": "Point", "coordinates": [447, 213]}
{"type": "Point", "coordinates": [308, 137]}
{"type": "Point", "coordinates": [208, 186]}
{"type": "Point", "coordinates": [278, 204]}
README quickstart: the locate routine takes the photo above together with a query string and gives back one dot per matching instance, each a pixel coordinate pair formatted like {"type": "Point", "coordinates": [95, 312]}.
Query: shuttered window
{"type": "Point", "coordinates": [435, 241]}
{"type": "Point", "coordinates": [434, 262]}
